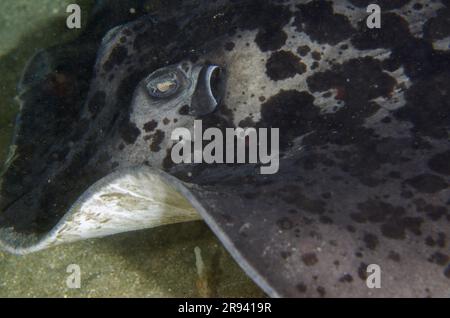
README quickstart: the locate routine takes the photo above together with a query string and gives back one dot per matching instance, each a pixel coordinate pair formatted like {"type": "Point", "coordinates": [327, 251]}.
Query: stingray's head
{"type": "Point", "coordinates": [170, 97]}
{"type": "Point", "coordinates": [191, 90]}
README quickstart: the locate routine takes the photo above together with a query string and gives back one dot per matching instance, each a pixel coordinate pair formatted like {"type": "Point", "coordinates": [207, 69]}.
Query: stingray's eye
{"type": "Point", "coordinates": [170, 81]}
{"type": "Point", "coordinates": [200, 86]}
{"type": "Point", "coordinates": [163, 85]}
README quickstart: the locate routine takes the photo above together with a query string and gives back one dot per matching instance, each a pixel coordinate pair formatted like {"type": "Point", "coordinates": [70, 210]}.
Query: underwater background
{"type": "Point", "coordinates": [153, 263]}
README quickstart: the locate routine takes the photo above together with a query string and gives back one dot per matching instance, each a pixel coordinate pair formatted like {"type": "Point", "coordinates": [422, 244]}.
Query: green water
{"type": "Point", "coordinates": [153, 263]}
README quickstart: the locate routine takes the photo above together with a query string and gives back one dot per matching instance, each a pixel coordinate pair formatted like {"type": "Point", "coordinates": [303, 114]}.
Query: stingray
{"type": "Point", "coordinates": [363, 119]}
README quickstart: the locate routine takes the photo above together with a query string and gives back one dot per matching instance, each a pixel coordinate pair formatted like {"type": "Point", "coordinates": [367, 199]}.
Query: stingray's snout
{"type": "Point", "coordinates": [209, 90]}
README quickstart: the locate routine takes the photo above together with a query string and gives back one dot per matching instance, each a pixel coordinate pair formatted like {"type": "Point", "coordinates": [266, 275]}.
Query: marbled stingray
{"type": "Point", "coordinates": [364, 118]}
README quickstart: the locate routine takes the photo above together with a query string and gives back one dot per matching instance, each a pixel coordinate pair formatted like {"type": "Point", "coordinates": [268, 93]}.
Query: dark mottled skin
{"type": "Point", "coordinates": [321, 23]}
{"type": "Point", "coordinates": [385, 4]}
{"type": "Point", "coordinates": [283, 65]}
